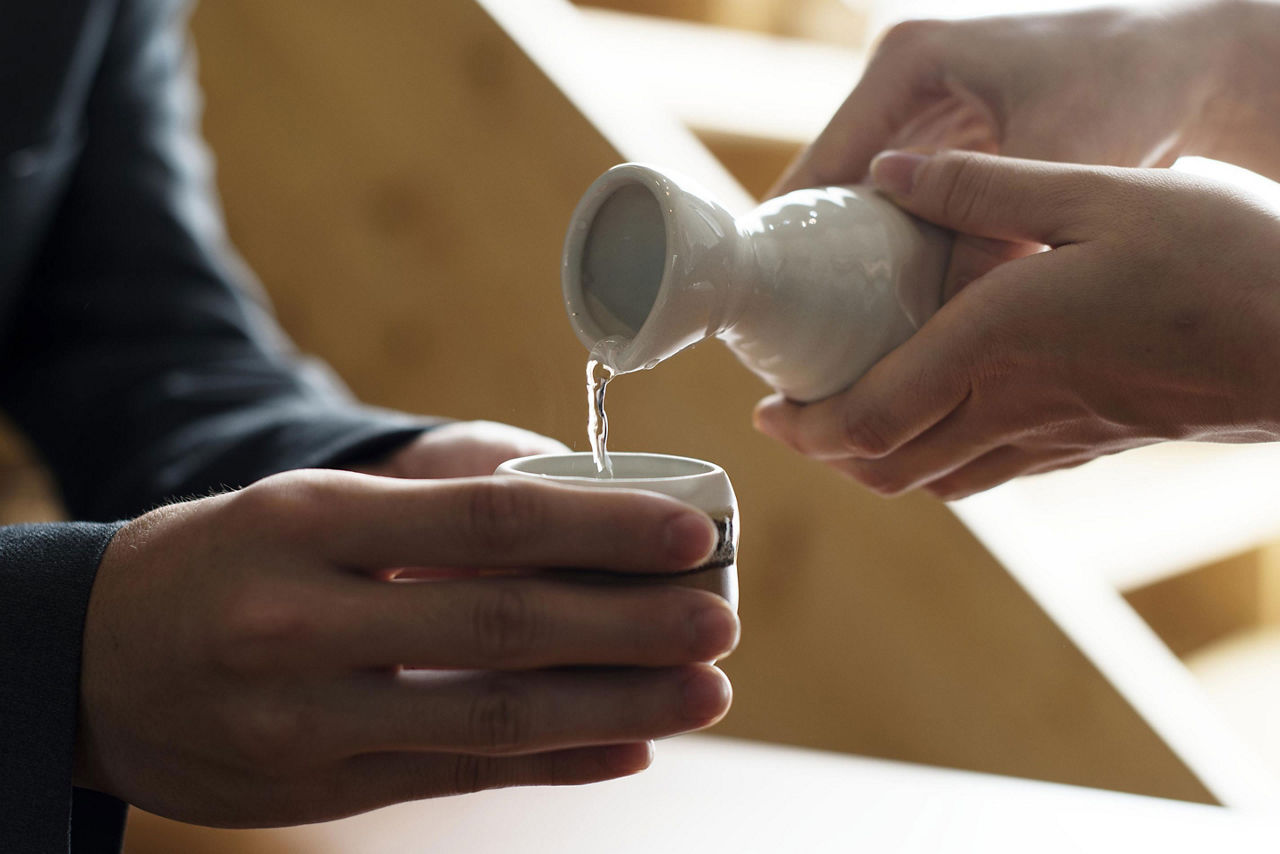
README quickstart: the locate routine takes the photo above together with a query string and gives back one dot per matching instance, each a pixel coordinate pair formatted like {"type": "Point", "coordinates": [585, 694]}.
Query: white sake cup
{"type": "Point", "coordinates": [696, 482]}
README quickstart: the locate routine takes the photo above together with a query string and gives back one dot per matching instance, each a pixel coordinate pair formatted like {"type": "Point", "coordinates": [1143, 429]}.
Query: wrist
{"type": "Point", "coordinates": [1205, 34]}
{"type": "Point", "coordinates": [1240, 113]}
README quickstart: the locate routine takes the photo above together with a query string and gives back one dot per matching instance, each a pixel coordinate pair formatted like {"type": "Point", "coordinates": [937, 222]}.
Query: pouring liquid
{"type": "Point", "coordinates": [599, 372]}
{"type": "Point", "coordinates": [598, 376]}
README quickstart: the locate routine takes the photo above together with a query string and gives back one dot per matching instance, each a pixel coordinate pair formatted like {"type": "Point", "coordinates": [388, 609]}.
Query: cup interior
{"type": "Point", "coordinates": [626, 466]}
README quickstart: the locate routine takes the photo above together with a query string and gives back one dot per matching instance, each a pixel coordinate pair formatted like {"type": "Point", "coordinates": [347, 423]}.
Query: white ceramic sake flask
{"type": "Point", "coordinates": [809, 289]}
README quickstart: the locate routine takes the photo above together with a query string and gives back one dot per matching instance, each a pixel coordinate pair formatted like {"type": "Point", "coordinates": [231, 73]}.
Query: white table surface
{"type": "Point", "coordinates": [706, 794]}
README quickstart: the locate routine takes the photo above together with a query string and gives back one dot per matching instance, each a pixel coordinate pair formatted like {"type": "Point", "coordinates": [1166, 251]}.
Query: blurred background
{"type": "Point", "coordinates": [399, 175]}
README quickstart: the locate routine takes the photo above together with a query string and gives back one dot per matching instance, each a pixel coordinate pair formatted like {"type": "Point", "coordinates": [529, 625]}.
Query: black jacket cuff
{"type": "Point", "coordinates": [46, 575]}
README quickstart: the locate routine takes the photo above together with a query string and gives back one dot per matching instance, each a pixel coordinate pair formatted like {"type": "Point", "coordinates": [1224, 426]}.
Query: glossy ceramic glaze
{"type": "Point", "coordinates": [809, 290]}
{"type": "Point", "coordinates": [697, 482]}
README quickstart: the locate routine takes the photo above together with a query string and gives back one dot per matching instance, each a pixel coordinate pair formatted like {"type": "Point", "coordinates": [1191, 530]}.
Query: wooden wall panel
{"type": "Point", "coordinates": [27, 492]}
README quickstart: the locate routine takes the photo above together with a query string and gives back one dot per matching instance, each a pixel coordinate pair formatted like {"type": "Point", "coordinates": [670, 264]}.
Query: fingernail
{"type": "Point", "coordinates": [715, 632]}
{"type": "Point", "coordinates": [766, 421]}
{"type": "Point", "coordinates": [706, 695]}
{"type": "Point", "coordinates": [771, 416]}
{"type": "Point", "coordinates": [895, 171]}
{"type": "Point", "coordinates": [629, 758]}
{"type": "Point", "coordinates": [690, 538]}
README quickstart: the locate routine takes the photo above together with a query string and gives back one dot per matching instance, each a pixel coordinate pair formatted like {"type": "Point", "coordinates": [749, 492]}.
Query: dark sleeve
{"type": "Point", "coordinates": [144, 362]}
{"type": "Point", "coordinates": [46, 573]}
{"type": "Point", "coordinates": [145, 366]}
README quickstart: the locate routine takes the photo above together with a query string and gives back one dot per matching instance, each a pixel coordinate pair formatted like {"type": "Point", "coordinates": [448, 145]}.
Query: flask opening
{"type": "Point", "coordinates": [638, 255]}
{"type": "Point", "coordinates": [623, 261]}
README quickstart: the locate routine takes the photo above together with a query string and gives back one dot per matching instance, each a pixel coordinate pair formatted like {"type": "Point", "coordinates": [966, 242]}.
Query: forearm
{"type": "Point", "coordinates": [1241, 120]}
{"type": "Point", "coordinates": [145, 366]}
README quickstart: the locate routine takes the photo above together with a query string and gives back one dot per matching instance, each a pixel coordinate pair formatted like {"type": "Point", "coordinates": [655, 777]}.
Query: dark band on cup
{"type": "Point", "coordinates": [726, 551]}
{"type": "Point", "coordinates": [719, 575]}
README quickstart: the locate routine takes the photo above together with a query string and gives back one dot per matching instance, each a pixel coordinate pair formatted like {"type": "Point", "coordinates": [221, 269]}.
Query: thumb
{"type": "Point", "coordinates": [1004, 198]}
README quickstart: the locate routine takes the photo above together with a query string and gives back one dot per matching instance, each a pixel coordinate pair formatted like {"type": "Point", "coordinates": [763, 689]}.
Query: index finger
{"type": "Point", "coordinates": [368, 522]}
{"type": "Point", "coordinates": [895, 95]}
{"type": "Point", "coordinates": [842, 152]}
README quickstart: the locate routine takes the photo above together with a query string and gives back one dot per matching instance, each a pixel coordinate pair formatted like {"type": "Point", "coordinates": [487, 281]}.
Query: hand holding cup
{"type": "Point", "coordinates": [250, 659]}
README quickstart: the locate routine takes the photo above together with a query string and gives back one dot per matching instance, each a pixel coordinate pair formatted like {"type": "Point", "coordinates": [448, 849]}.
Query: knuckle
{"type": "Point", "coordinates": [911, 36]}
{"type": "Point", "coordinates": [499, 718]}
{"type": "Point", "coordinates": [470, 774]}
{"type": "Point", "coordinates": [269, 736]}
{"type": "Point", "coordinates": [261, 628]}
{"type": "Point", "coordinates": [504, 626]}
{"type": "Point", "coordinates": [286, 504]}
{"type": "Point", "coordinates": [965, 188]}
{"type": "Point", "coordinates": [502, 514]}
{"type": "Point", "coordinates": [1005, 347]}
{"type": "Point", "coordinates": [252, 506]}
{"type": "Point", "coordinates": [1081, 189]}
{"type": "Point", "coordinates": [1083, 198]}
{"type": "Point", "coordinates": [881, 481]}
{"type": "Point", "coordinates": [944, 490]}
{"type": "Point", "coordinates": [1121, 414]}
{"type": "Point", "coordinates": [865, 434]}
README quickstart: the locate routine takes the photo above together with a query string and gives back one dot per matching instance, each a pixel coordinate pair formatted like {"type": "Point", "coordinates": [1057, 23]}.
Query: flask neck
{"type": "Point", "coordinates": [831, 279]}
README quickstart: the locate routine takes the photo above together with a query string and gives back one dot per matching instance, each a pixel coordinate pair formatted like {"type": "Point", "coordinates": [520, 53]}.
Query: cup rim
{"type": "Point", "coordinates": [701, 468]}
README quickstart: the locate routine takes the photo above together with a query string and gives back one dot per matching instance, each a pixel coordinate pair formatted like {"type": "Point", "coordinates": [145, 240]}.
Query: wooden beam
{"type": "Point", "coordinates": [1193, 609]}
{"type": "Point", "coordinates": [730, 82]}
